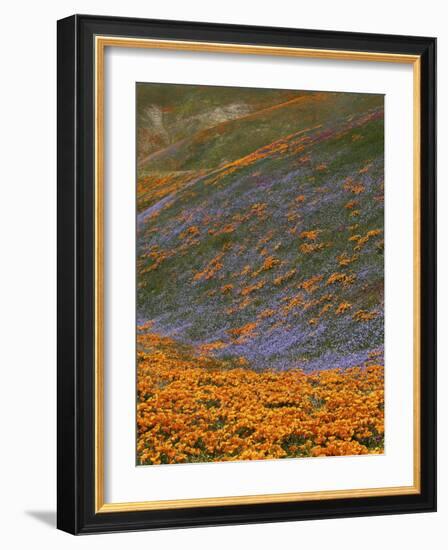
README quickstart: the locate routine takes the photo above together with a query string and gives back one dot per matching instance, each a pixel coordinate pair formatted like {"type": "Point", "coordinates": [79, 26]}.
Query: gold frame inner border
{"type": "Point", "coordinates": [101, 43]}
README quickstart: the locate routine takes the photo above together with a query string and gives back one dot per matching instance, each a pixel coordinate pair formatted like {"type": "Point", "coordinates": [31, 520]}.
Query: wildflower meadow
{"type": "Point", "coordinates": [260, 274]}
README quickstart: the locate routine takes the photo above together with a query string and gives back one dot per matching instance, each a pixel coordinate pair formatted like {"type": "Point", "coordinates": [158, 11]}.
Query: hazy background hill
{"type": "Point", "coordinates": [169, 113]}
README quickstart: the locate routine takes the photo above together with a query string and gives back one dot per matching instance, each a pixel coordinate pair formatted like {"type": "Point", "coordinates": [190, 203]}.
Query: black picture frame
{"type": "Point", "coordinates": [76, 302]}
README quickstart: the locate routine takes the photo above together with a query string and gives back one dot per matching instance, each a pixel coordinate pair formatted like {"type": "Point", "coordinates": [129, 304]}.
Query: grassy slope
{"type": "Point", "coordinates": [233, 139]}
{"type": "Point", "coordinates": [232, 260]}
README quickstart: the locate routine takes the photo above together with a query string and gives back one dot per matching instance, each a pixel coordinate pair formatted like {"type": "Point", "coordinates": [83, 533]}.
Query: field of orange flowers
{"type": "Point", "coordinates": [193, 407]}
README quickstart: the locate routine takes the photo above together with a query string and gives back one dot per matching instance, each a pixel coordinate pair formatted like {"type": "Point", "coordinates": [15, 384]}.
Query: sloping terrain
{"type": "Point", "coordinates": [166, 114]}
{"type": "Point", "coordinates": [260, 238]}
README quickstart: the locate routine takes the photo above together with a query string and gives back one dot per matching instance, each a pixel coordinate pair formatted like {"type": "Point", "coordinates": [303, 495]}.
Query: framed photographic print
{"type": "Point", "coordinates": [246, 271]}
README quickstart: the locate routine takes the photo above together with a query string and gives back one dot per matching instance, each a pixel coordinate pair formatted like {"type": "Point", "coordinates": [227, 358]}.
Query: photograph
{"type": "Point", "coordinates": [260, 273]}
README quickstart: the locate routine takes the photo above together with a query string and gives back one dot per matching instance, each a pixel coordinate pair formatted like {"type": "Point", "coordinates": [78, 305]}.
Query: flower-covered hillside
{"type": "Point", "coordinates": [196, 408]}
{"type": "Point", "coordinates": [260, 236]}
